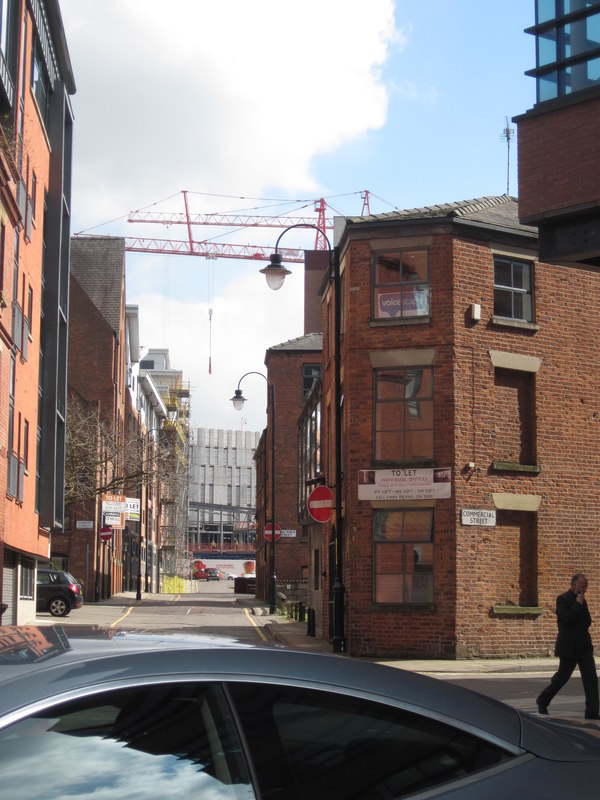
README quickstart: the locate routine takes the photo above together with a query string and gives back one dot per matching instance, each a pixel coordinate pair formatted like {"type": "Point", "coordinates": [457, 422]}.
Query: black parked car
{"type": "Point", "coordinates": [213, 574]}
{"type": "Point", "coordinates": [141, 716]}
{"type": "Point", "coordinates": [57, 592]}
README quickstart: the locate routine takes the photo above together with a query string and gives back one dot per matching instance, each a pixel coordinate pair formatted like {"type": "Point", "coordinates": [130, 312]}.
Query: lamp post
{"type": "Point", "coordinates": [238, 401]}
{"type": "Point", "coordinates": [275, 274]}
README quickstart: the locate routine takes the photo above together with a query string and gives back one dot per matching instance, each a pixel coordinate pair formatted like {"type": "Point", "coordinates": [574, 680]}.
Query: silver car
{"type": "Point", "coordinates": [141, 716]}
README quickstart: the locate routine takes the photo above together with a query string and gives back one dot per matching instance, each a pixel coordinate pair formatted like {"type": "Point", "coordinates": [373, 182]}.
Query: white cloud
{"type": "Point", "coordinates": [231, 98]}
{"type": "Point", "coordinates": [247, 319]}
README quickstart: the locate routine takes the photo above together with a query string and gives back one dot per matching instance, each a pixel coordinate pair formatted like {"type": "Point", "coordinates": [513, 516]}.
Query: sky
{"type": "Point", "coordinates": [263, 108]}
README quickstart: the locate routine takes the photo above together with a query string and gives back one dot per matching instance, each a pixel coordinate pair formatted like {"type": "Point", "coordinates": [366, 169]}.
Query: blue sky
{"type": "Point", "coordinates": [247, 104]}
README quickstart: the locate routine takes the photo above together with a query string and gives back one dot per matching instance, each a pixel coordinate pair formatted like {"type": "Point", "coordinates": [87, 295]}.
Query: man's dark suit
{"type": "Point", "coordinates": [573, 648]}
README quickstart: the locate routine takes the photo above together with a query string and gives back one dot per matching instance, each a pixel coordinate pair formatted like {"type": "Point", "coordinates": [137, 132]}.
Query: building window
{"type": "Point", "coordinates": [27, 581]}
{"type": "Point", "coordinates": [567, 37]}
{"type": "Point", "coordinates": [33, 194]}
{"type": "Point", "coordinates": [311, 374]}
{"type": "Point", "coordinates": [400, 284]}
{"type": "Point", "coordinates": [403, 556]}
{"type": "Point", "coordinates": [29, 310]}
{"type": "Point", "coordinates": [515, 416]}
{"type": "Point", "coordinates": [26, 444]}
{"type": "Point", "coordinates": [310, 465]}
{"type": "Point", "coordinates": [403, 429]}
{"type": "Point", "coordinates": [40, 83]}
{"type": "Point", "coordinates": [513, 289]}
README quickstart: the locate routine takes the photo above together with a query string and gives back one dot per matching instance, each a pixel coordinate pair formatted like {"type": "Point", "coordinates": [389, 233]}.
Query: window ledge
{"type": "Point", "coordinates": [392, 607]}
{"type": "Point", "coordinates": [392, 321]}
{"type": "Point", "coordinates": [518, 611]}
{"type": "Point", "coordinates": [506, 322]}
{"type": "Point", "coordinates": [514, 466]}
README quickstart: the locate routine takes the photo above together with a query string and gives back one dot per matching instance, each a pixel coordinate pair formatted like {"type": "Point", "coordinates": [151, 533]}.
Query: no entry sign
{"type": "Point", "coordinates": [106, 533]}
{"type": "Point", "coordinates": [268, 532]}
{"type": "Point", "coordinates": [320, 503]}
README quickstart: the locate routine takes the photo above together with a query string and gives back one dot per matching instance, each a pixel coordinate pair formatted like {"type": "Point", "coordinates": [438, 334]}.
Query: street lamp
{"type": "Point", "coordinates": [238, 401]}
{"type": "Point", "coordinates": [275, 274]}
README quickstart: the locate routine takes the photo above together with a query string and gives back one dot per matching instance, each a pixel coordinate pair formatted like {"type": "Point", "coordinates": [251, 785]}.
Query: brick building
{"type": "Point", "coordinates": [36, 81]}
{"type": "Point", "coordinates": [559, 148]}
{"type": "Point", "coordinates": [97, 378]}
{"type": "Point", "coordinates": [469, 447]}
{"type": "Point", "coordinates": [292, 368]}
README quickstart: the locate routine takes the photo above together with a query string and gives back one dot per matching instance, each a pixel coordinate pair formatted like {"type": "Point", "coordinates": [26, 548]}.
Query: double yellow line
{"type": "Point", "coordinates": [246, 612]}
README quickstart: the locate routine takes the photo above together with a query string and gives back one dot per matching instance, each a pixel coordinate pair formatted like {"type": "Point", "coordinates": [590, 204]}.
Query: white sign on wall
{"type": "Point", "coordinates": [486, 517]}
{"type": "Point", "coordinates": [404, 484]}
{"type": "Point", "coordinates": [132, 509]}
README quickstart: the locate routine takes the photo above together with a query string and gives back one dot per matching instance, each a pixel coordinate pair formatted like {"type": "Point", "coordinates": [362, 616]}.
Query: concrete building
{"type": "Point", "coordinates": [222, 490]}
{"type": "Point", "coordinates": [149, 413]}
{"type": "Point", "coordinates": [174, 470]}
{"type": "Point", "coordinates": [36, 81]}
{"type": "Point", "coordinates": [469, 451]}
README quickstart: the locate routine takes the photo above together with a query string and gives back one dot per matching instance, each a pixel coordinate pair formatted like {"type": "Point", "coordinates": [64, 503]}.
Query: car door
{"type": "Point", "coordinates": [44, 587]}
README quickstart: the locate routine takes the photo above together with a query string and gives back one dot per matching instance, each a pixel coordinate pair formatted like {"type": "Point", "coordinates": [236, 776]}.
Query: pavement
{"type": "Point", "coordinates": [293, 634]}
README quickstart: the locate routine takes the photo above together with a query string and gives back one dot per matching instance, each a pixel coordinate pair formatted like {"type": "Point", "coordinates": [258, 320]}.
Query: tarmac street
{"type": "Point", "coordinates": [217, 610]}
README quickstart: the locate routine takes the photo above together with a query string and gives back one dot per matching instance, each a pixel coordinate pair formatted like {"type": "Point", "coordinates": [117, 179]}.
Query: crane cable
{"type": "Point", "coordinates": [211, 291]}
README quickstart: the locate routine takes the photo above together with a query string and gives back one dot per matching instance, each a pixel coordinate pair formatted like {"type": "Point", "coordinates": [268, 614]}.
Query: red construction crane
{"type": "Point", "coordinates": [193, 247]}
{"type": "Point", "coordinates": [209, 249]}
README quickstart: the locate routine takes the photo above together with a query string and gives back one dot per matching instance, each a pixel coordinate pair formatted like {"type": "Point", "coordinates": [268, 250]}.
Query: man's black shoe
{"type": "Point", "coordinates": [589, 716]}
{"type": "Point", "coordinates": [542, 709]}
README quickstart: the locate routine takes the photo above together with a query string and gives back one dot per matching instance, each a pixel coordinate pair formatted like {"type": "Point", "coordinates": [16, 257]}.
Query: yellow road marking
{"type": "Point", "coordinates": [126, 614]}
{"type": "Point", "coordinates": [252, 622]}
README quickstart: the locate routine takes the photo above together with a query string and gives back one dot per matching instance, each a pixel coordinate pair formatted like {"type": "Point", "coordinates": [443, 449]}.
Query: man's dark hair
{"type": "Point", "coordinates": [576, 577]}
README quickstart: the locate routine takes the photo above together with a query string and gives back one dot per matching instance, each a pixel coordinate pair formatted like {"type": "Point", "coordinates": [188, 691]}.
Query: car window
{"type": "Point", "coordinates": [43, 578]}
{"type": "Point", "coordinates": [172, 741]}
{"type": "Point", "coordinates": [311, 744]}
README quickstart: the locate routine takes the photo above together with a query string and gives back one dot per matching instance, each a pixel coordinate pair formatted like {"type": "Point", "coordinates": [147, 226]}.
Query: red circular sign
{"type": "Point", "coordinates": [320, 503]}
{"type": "Point", "coordinates": [268, 532]}
{"type": "Point", "coordinates": [106, 533]}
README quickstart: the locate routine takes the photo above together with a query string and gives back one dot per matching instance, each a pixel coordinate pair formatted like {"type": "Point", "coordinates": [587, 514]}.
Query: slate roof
{"type": "Point", "coordinates": [496, 211]}
{"type": "Point", "coordinates": [98, 265]}
{"type": "Point", "coordinates": [310, 342]}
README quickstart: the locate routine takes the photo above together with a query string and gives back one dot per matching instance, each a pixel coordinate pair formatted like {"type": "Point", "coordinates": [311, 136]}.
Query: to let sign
{"type": "Point", "coordinates": [269, 532]}
{"type": "Point", "coordinates": [320, 503]}
{"type": "Point", "coordinates": [486, 517]}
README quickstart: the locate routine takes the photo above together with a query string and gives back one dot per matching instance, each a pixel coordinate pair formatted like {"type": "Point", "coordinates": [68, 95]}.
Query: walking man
{"type": "Point", "coordinates": [573, 647]}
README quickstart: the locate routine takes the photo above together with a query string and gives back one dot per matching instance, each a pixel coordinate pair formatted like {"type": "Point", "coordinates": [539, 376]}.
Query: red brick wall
{"type": "Point", "coordinates": [528, 557]}
{"type": "Point", "coordinates": [559, 160]}
{"type": "Point", "coordinates": [90, 373]}
{"type": "Point", "coordinates": [285, 372]}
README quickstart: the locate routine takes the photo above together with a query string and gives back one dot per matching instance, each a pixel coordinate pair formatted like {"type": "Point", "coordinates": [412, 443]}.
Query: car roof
{"type": "Point", "coordinates": [75, 665]}
{"type": "Point", "coordinates": [51, 667]}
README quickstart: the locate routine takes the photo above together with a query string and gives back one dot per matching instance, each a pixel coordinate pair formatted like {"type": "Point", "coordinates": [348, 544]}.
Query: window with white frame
{"type": "Point", "coordinates": [513, 289]}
